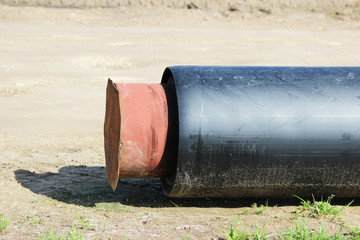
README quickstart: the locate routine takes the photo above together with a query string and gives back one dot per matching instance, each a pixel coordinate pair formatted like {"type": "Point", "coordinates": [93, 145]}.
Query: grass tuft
{"type": "Point", "coordinates": [32, 219]}
{"type": "Point", "coordinates": [321, 208]}
{"type": "Point", "coordinates": [74, 234]}
{"type": "Point", "coordinates": [300, 231]}
{"type": "Point", "coordinates": [50, 235]}
{"type": "Point", "coordinates": [175, 205]}
{"type": "Point", "coordinates": [257, 232]}
{"type": "Point", "coordinates": [84, 223]}
{"type": "Point", "coordinates": [353, 234]}
{"type": "Point", "coordinates": [245, 211]}
{"type": "Point", "coordinates": [4, 223]}
{"type": "Point", "coordinates": [261, 208]}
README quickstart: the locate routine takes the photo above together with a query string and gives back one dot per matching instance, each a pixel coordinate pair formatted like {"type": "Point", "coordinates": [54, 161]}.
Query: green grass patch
{"type": "Point", "coordinates": [84, 223]}
{"type": "Point", "coordinates": [112, 207]}
{"type": "Point", "coordinates": [260, 209]}
{"type": "Point", "coordinates": [321, 208]}
{"type": "Point", "coordinates": [32, 219]}
{"type": "Point", "coordinates": [50, 235]}
{"type": "Point", "coordinates": [4, 223]}
{"type": "Point", "coordinates": [245, 211]}
{"type": "Point", "coordinates": [353, 234]}
{"type": "Point", "coordinates": [299, 230]}
{"type": "Point", "coordinates": [74, 234]}
{"type": "Point", "coordinates": [238, 232]}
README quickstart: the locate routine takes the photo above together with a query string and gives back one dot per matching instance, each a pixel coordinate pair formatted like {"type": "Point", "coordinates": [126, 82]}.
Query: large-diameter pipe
{"type": "Point", "coordinates": [239, 131]}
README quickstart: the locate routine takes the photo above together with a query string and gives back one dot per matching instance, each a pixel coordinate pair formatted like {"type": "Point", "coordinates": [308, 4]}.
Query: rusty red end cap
{"type": "Point", "coordinates": [135, 131]}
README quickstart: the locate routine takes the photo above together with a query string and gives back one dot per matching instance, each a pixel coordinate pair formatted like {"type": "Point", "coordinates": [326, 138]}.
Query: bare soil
{"type": "Point", "coordinates": [55, 58]}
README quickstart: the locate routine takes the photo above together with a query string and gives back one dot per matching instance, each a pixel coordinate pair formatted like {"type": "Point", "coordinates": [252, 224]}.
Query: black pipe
{"type": "Point", "coordinates": [265, 131]}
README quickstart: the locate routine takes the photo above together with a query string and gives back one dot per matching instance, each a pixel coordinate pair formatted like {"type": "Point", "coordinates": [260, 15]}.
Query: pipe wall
{"type": "Point", "coordinates": [265, 131]}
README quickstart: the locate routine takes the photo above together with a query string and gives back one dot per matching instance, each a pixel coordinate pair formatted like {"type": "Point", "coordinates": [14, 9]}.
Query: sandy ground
{"type": "Point", "coordinates": [54, 65]}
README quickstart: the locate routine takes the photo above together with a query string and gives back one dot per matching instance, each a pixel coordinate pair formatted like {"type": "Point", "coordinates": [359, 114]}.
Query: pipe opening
{"type": "Point", "coordinates": [173, 133]}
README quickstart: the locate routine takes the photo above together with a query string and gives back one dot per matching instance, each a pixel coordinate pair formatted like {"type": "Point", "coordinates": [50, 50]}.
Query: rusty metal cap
{"type": "Point", "coordinates": [135, 131]}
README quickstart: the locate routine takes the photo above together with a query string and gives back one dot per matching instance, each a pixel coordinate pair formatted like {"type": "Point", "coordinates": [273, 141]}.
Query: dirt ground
{"type": "Point", "coordinates": [54, 63]}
